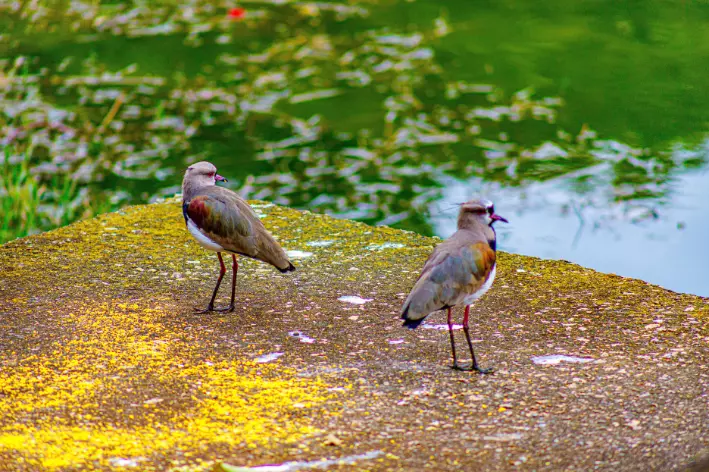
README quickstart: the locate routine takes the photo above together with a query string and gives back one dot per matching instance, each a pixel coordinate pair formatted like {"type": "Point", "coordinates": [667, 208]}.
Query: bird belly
{"type": "Point", "coordinates": [481, 291]}
{"type": "Point", "coordinates": [203, 240]}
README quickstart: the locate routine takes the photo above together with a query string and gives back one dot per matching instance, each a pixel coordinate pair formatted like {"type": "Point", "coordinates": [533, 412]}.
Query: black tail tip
{"type": "Point", "coordinates": [290, 268]}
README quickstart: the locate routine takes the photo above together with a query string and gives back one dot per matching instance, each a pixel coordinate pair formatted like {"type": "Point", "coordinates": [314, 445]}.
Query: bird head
{"type": "Point", "coordinates": [201, 174]}
{"type": "Point", "coordinates": [478, 212]}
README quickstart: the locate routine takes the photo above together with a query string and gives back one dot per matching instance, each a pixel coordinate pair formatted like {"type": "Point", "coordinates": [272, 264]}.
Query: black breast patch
{"type": "Point", "coordinates": [185, 206]}
{"type": "Point", "coordinates": [493, 244]}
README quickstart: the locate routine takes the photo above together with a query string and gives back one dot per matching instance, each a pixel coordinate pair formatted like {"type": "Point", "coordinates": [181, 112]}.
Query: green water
{"type": "Point", "coordinates": [375, 110]}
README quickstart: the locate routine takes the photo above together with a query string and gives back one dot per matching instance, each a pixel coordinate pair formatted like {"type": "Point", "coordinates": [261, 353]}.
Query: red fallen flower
{"type": "Point", "coordinates": [237, 13]}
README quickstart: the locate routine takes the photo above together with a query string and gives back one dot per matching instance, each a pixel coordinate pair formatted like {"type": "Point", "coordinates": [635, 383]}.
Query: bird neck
{"type": "Point", "coordinates": [480, 230]}
{"type": "Point", "coordinates": [492, 240]}
{"type": "Point", "coordinates": [190, 189]}
{"type": "Point", "coordinates": [468, 221]}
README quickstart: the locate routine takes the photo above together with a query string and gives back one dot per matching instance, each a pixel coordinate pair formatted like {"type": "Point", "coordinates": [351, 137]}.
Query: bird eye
{"type": "Point", "coordinates": [490, 209]}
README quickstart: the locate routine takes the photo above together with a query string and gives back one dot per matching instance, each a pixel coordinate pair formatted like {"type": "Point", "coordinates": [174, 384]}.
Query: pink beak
{"type": "Point", "coordinates": [496, 217]}
{"type": "Point", "coordinates": [219, 178]}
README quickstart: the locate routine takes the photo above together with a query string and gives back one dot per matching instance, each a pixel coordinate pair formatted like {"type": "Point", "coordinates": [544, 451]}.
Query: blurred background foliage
{"type": "Point", "coordinates": [362, 109]}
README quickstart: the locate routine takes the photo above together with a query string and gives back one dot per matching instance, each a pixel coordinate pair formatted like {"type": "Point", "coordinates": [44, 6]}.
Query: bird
{"type": "Point", "coordinates": [222, 221]}
{"type": "Point", "coordinates": [458, 272]}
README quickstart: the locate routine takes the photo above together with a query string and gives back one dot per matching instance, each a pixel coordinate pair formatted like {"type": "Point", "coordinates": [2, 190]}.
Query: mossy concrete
{"type": "Point", "coordinates": [104, 364]}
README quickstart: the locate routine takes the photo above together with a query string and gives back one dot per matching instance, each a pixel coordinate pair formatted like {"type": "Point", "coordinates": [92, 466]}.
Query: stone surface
{"type": "Point", "coordinates": [104, 365]}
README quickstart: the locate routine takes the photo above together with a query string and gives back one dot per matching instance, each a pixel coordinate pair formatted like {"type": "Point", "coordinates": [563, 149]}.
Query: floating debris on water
{"type": "Point", "coordinates": [554, 359]}
{"type": "Point", "coordinates": [354, 299]}
{"type": "Point", "coordinates": [295, 254]}
{"type": "Point", "coordinates": [271, 356]}
{"type": "Point", "coordinates": [300, 465]}
{"type": "Point", "coordinates": [303, 338]}
{"type": "Point", "coordinates": [315, 95]}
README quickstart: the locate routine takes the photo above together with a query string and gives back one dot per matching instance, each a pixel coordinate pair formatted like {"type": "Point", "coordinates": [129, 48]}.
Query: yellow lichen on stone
{"type": "Point", "coordinates": [116, 349]}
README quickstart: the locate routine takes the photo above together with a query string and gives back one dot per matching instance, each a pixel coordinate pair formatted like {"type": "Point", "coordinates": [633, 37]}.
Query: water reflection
{"type": "Point", "coordinates": [314, 105]}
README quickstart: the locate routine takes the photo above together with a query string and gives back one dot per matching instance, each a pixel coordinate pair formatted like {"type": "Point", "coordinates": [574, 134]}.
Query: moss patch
{"type": "Point", "coordinates": [123, 385]}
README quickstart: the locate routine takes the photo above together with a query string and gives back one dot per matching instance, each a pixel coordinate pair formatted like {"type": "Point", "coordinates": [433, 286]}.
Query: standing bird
{"type": "Point", "coordinates": [222, 221]}
{"type": "Point", "coordinates": [460, 270]}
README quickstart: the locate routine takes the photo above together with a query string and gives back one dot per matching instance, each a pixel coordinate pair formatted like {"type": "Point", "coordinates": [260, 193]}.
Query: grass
{"type": "Point", "coordinates": [30, 204]}
{"type": "Point", "coordinates": [20, 199]}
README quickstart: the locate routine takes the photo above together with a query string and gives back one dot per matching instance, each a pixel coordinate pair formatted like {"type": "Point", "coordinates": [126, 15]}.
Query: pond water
{"type": "Point", "coordinates": [585, 122]}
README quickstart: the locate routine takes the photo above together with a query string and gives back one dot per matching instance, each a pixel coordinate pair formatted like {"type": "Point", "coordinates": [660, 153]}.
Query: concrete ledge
{"type": "Point", "coordinates": [103, 364]}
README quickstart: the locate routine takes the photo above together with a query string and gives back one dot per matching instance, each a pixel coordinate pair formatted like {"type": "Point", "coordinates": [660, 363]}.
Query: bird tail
{"type": "Point", "coordinates": [290, 268]}
{"type": "Point", "coordinates": [409, 322]}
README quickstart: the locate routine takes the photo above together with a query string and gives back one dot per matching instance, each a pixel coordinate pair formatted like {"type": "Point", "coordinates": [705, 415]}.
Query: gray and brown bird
{"type": "Point", "coordinates": [458, 272]}
{"type": "Point", "coordinates": [222, 221]}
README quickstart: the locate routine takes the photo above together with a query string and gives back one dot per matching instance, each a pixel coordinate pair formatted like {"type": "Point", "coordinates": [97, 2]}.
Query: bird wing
{"type": "Point", "coordinates": [448, 276]}
{"type": "Point", "coordinates": [228, 220]}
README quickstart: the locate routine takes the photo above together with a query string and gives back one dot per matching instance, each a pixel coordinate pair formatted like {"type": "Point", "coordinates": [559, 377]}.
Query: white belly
{"type": "Point", "coordinates": [203, 240]}
{"type": "Point", "coordinates": [486, 286]}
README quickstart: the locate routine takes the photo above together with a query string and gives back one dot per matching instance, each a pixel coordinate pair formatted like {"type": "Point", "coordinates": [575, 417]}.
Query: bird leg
{"type": "Point", "coordinates": [474, 365]}
{"type": "Point", "coordinates": [234, 270]}
{"type": "Point", "coordinates": [455, 365]}
{"type": "Point", "coordinates": [222, 271]}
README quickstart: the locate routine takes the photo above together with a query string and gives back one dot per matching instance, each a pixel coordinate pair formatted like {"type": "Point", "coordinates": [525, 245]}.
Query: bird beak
{"type": "Point", "coordinates": [496, 217]}
{"type": "Point", "coordinates": [219, 178]}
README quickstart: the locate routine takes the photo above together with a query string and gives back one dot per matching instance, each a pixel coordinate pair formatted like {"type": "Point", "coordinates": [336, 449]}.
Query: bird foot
{"type": "Point", "coordinates": [226, 309]}
{"type": "Point", "coordinates": [489, 370]}
{"type": "Point", "coordinates": [472, 368]}
{"type": "Point", "coordinates": [211, 308]}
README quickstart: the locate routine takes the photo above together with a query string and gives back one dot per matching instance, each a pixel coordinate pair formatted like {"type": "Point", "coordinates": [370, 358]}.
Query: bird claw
{"type": "Point", "coordinates": [210, 309]}
{"type": "Point", "coordinates": [227, 309]}
{"type": "Point", "coordinates": [472, 368]}
{"type": "Point", "coordinates": [489, 370]}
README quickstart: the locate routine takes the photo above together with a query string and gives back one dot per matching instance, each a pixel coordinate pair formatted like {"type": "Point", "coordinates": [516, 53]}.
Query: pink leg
{"type": "Point", "coordinates": [222, 271]}
{"type": "Point", "coordinates": [450, 331]}
{"type": "Point", "coordinates": [470, 344]}
{"type": "Point", "coordinates": [234, 270]}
